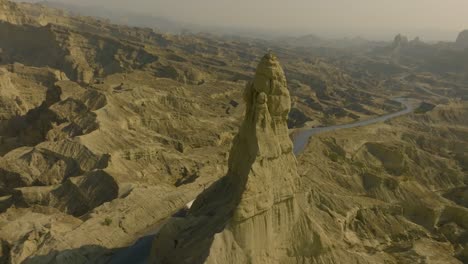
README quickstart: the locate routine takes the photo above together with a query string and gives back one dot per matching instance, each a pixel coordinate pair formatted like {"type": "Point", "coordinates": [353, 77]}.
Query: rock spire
{"type": "Point", "coordinates": [247, 216]}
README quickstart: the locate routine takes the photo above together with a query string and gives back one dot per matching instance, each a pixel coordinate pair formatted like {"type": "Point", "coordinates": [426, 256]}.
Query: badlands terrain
{"type": "Point", "coordinates": [107, 130]}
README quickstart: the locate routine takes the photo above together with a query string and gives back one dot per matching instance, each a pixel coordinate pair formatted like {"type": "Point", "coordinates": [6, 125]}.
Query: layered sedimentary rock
{"type": "Point", "coordinates": [249, 216]}
{"type": "Point", "coordinates": [10, 13]}
{"type": "Point", "coordinates": [393, 192]}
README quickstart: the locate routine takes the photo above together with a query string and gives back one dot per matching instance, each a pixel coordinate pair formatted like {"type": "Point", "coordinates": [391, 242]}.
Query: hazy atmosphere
{"type": "Point", "coordinates": [233, 132]}
{"type": "Point", "coordinates": [429, 19]}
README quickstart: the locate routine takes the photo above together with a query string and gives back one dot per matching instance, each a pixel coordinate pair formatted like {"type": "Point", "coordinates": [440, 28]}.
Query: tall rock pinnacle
{"type": "Point", "coordinates": [249, 215]}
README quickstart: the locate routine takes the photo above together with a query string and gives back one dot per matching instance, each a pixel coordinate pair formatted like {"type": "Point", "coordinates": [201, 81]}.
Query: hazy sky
{"type": "Point", "coordinates": [431, 19]}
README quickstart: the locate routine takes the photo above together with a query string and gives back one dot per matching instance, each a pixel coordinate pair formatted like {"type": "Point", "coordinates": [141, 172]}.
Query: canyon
{"type": "Point", "coordinates": [108, 131]}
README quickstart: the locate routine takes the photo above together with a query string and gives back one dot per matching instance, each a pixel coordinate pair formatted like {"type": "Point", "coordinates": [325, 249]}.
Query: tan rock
{"type": "Point", "coordinates": [11, 13]}
{"type": "Point", "coordinates": [248, 216]}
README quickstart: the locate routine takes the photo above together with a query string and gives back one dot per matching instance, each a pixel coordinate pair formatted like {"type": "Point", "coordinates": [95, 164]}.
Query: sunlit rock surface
{"type": "Point", "coordinates": [252, 214]}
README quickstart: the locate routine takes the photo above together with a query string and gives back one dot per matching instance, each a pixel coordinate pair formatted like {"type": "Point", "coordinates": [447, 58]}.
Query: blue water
{"type": "Point", "coordinates": [301, 138]}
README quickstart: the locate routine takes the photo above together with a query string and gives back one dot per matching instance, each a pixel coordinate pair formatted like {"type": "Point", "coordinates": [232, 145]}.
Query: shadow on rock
{"type": "Point", "coordinates": [85, 254]}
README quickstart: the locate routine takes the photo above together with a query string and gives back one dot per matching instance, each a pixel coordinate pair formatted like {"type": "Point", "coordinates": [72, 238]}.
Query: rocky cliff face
{"type": "Point", "coordinates": [9, 12]}
{"type": "Point", "coordinates": [251, 214]}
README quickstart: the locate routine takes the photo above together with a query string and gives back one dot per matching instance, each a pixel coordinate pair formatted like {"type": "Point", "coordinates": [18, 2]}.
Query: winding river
{"type": "Point", "coordinates": [301, 137]}
{"type": "Point", "coordinates": [138, 253]}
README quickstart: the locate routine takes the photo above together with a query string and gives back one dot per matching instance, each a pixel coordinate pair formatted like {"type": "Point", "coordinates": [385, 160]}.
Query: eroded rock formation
{"type": "Point", "coordinates": [10, 13]}
{"type": "Point", "coordinates": [462, 40]}
{"type": "Point", "coordinates": [400, 40]}
{"type": "Point", "coordinates": [248, 216]}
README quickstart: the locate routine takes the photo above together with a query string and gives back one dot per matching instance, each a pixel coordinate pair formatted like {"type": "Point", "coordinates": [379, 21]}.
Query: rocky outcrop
{"type": "Point", "coordinates": [23, 88]}
{"type": "Point", "coordinates": [399, 41]}
{"type": "Point", "coordinates": [462, 40]}
{"type": "Point", "coordinates": [76, 196]}
{"type": "Point", "coordinates": [251, 214]}
{"type": "Point", "coordinates": [11, 13]}
{"type": "Point", "coordinates": [82, 56]}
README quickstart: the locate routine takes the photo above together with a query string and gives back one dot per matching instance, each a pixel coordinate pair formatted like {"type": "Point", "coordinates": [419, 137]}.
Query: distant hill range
{"type": "Point", "coordinates": [120, 16]}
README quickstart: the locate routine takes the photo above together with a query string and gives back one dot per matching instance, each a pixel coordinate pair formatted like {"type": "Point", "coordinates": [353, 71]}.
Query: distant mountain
{"type": "Point", "coordinates": [120, 16]}
{"type": "Point", "coordinates": [314, 41]}
{"type": "Point", "coordinates": [462, 40]}
{"type": "Point", "coordinates": [160, 23]}
{"type": "Point", "coordinates": [308, 40]}
{"type": "Point", "coordinates": [399, 41]}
